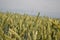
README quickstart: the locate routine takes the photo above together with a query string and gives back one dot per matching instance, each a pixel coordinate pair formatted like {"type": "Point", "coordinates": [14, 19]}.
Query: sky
{"type": "Point", "coordinates": [49, 8]}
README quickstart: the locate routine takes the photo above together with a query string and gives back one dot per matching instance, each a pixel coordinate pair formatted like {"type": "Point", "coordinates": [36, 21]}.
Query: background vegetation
{"type": "Point", "coordinates": [24, 27]}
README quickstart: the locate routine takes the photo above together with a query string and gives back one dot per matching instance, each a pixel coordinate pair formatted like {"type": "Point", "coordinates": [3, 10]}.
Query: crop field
{"type": "Point", "coordinates": [15, 26]}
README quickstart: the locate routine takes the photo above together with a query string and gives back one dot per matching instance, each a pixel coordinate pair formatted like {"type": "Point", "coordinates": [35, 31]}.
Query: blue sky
{"type": "Point", "coordinates": [45, 7]}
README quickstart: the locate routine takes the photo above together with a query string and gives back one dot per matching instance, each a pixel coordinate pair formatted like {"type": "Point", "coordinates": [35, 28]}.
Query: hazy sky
{"type": "Point", "coordinates": [45, 7]}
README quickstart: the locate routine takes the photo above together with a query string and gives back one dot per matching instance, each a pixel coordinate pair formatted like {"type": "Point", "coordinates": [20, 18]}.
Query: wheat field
{"type": "Point", "coordinates": [15, 26]}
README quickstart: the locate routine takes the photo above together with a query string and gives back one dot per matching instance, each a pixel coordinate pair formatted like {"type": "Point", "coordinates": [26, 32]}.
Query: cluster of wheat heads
{"type": "Point", "coordinates": [25, 27]}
